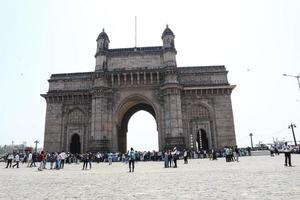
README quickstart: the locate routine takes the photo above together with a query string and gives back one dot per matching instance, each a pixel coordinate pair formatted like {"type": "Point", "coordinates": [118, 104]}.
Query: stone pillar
{"type": "Point", "coordinates": [100, 118]}
{"type": "Point", "coordinates": [101, 121]}
{"type": "Point", "coordinates": [171, 91]}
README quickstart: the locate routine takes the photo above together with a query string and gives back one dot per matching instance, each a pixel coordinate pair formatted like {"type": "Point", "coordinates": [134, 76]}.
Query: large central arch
{"type": "Point", "coordinates": [127, 108]}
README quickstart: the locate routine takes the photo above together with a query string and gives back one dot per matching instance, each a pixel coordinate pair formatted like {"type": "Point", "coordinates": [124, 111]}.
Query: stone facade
{"type": "Point", "coordinates": [90, 111]}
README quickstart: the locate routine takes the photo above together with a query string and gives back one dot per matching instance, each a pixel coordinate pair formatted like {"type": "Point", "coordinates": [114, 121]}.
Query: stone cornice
{"type": "Point", "coordinates": [208, 90]}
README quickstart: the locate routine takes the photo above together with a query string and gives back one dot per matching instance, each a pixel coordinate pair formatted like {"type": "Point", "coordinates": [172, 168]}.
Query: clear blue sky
{"type": "Point", "coordinates": [257, 41]}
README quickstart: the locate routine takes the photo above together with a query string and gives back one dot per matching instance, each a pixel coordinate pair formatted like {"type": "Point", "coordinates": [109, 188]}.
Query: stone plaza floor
{"type": "Point", "coordinates": [256, 177]}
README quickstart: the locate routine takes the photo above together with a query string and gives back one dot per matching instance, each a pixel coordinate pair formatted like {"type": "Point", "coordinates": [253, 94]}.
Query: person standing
{"type": "Point", "coordinates": [29, 159]}
{"type": "Point", "coordinates": [57, 160]}
{"type": "Point", "coordinates": [131, 159]}
{"type": "Point", "coordinates": [109, 158]}
{"type": "Point", "coordinates": [185, 157]}
{"type": "Point", "coordinates": [62, 159]}
{"type": "Point", "coordinates": [249, 151]}
{"type": "Point", "coordinates": [170, 158]}
{"type": "Point", "coordinates": [214, 154]}
{"type": "Point", "coordinates": [90, 158]}
{"type": "Point", "coordinates": [237, 153]}
{"type": "Point", "coordinates": [287, 154]}
{"type": "Point", "coordinates": [166, 158]}
{"type": "Point", "coordinates": [174, 155]}
{"type": "Point", "coordinates": [17, 160]}
{"type": "Point", "coordinates": [85, 158]}
{"type": "Point", "coordinates": [51, 160]}
{"type": "Point", "coordinates": [98, 155]}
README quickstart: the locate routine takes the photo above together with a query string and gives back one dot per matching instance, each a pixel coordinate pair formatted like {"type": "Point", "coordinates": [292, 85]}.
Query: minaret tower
{"type": "Point", "coordinates": [169, 51]}
{"type": "Point", "coordinates": [171, 91]}
{"type": "Point", "coordinates": [102, 49]}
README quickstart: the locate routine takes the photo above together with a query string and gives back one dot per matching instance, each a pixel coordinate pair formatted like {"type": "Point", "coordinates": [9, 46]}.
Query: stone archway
{"type": "Point", "coordinates": [75, 144]}
{"type": "Point", "coordinates": [127, 109]}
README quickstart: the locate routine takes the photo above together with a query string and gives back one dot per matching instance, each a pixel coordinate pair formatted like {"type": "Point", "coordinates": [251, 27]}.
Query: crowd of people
{"type": "Point", "coordinates": [57, 160]}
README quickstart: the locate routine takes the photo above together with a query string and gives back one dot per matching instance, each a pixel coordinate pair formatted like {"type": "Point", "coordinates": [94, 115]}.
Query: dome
{"type": "Point", "coordinates": [167, 31]}
{"type": "Point", "coordinates": [103, 35]}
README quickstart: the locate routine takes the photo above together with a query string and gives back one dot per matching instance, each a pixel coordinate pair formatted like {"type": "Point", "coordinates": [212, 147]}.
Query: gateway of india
{"type": "Point", "coordinates": [90, 111]}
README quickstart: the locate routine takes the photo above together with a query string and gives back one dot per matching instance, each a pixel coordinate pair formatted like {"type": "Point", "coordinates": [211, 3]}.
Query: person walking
{"type": "Point", "coordinates": [131, 159]}
{"type": "Point", "coordinates": [287, 154]}
{"type": "Point", "coordinates": [17, 160]}
{"type": "Point", "coordinates": [9, 160]}
{"type": "Point", "coordinates": [33, 160]}
{"type": "Point", "coordinates": [42, 159]}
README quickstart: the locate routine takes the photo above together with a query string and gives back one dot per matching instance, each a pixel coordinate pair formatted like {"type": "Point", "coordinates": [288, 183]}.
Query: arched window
{"type": "Point", "coordinates": [200, 112]}
{"type": "Point", "coordinates": [76, 116]}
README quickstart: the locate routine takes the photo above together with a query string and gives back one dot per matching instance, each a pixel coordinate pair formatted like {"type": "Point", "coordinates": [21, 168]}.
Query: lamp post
{"type": "Point", "coordinates": [292, 126]}
{"type": "Point", "coordinates": [36, 143]}
{"type": "Point", "coordinates": [297, 77]}
{"type": "Point", "coordinates": [251, 140]}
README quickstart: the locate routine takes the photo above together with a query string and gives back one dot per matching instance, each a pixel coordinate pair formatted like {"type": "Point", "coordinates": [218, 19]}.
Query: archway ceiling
{"type": "Point", "coordinates": [133, 109]}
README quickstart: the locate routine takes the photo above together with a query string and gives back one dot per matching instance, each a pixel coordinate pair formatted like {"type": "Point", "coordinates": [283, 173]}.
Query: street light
{"type": "Point", "coordinates": [292, 126]}
{"type": "Point", "coordinates": [297, 77]}
{"type": "Point", "coordinates": [36, 142]}
{"type": "Point", "coordinates": [251, 140]}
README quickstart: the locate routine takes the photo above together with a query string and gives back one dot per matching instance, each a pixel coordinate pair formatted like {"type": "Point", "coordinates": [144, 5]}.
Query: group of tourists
{"type": "Point", "coordinates": [232, 154]}
{"type": "Point", "coordinates": [172, 157]}
{"type": "Point", "coordinates": [10, 158]}
{"type": "Point", "coordinates": [57, 160]}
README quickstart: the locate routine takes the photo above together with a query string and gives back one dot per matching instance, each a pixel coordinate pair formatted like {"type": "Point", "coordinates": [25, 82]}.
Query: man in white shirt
{"type": "Point", "coordinates": [287, 154]}
{"type": "Point", "coordinates": [29, 159]}
{"type": "Point", "coordinates": [17, 160]}
{"type": "Point", "coordinates": [62, 161]}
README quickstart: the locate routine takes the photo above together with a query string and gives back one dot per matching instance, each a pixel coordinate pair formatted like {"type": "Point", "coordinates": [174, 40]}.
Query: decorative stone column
{"type": "Point", "coordinates": [171, 92]}
{"type": "Point", "coordinates": [100, 136]}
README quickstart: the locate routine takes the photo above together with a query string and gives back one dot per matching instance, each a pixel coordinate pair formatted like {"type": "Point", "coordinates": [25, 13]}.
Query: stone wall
{"type": "Point", "coordinates": [53, 127]}
{"type": "Point", "coordinates": [134, 61]}
{"type": "Point", "coordinates": [224, 121]}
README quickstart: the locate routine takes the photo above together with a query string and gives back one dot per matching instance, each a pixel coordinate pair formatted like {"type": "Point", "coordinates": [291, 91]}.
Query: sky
{"type": "Point", "coordinates": [256, 40]}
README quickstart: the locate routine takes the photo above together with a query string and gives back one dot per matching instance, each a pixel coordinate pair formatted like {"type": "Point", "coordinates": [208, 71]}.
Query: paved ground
{"type": "Point", "coordinates": [257, 177]}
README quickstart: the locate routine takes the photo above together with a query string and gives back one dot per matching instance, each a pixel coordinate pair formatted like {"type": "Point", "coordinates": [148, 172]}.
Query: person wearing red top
{"type": "Point", "coordinates": [42, 159]}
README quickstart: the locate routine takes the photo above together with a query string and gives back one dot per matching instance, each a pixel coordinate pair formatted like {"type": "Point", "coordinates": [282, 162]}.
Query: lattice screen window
{"type": "Point", "coordinates": [76, 116]}
{"type": "Point", "coordinates": [200, 112]}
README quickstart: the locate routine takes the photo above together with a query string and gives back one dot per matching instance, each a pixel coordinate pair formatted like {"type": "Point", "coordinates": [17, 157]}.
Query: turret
{"type": "Point", "coordinates": [102, 48]}
{"type": "Point", "coordinates": [169, 51]}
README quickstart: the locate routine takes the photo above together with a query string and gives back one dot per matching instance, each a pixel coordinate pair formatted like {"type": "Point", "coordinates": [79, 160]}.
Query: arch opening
{"type": "Point", "coordinates": [123, 128]}
{"type": "Point", "coordinates": [142, 132]}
